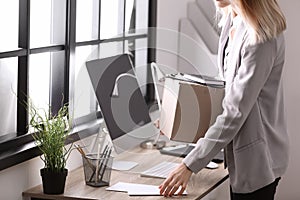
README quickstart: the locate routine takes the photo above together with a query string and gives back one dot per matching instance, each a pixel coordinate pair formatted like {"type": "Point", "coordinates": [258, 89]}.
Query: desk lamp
{"type": "Point", "coordinates": [157, 75]}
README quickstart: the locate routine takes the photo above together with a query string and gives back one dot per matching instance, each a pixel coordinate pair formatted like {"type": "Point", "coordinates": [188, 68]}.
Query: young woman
{"type": "Point", "coordinates": [252, 127]}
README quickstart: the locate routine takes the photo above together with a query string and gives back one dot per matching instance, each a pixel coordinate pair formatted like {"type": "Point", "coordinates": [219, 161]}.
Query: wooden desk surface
{"type": "Point", "coordinates": [199, 185]}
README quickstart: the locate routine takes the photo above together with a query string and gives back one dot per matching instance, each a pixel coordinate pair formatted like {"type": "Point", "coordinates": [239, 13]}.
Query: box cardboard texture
{"type": "Point", "coordinates": [189, 109]}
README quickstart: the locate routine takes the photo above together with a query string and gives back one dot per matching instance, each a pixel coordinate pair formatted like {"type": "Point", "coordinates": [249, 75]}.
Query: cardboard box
{"type": "Point", "coordinates": [189, 109]}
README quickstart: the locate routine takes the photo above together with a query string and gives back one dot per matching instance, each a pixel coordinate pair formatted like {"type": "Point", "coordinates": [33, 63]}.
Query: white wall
{"type": "Point", "coordinates": [168, 14]}
{"type": "Point", "coordinates": [170, 11]}
{"type": "Point", "coordinates": [289, 186]}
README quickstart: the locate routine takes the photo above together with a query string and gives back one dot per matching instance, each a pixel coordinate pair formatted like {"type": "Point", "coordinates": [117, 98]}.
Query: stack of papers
{"type": "Point", "coordinates": [206, 80]}
{"type": "Point", "coordinates": [134, 189]}
{"type": "Point", "coordinates": [199, 79]}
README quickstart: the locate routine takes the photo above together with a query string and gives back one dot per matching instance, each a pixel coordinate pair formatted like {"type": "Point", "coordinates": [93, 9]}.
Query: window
{"type": "Point", "coordinates": [43, 49]}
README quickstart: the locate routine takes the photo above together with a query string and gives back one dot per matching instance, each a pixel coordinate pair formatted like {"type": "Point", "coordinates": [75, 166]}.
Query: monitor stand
{"type": "Point", "coordinates": [153, 144]}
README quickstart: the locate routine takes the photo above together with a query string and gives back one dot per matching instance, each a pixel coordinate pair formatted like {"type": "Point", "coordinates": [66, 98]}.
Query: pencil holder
{"type": "Point", "coordinates": [97, 169]}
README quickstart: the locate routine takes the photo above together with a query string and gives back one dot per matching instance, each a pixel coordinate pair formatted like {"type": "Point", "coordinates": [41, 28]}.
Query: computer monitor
{"type": "Point", "coordinates": [126, 116]}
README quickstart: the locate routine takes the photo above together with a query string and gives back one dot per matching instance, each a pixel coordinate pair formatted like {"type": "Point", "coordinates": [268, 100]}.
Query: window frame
{"type": "Point", "coordinates": [18, 147]}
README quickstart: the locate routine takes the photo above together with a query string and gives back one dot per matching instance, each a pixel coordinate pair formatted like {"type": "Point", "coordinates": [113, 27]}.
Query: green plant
{"type": "Point", "coordinates": [50, 134]}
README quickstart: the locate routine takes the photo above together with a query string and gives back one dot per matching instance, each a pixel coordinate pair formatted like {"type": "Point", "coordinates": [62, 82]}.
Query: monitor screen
{"type": "Point", "coordinates": [126, 115]}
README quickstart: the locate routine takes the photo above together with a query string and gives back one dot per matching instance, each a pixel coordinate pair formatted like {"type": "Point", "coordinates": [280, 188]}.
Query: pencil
{"type": "Point", "coordinates": [106, 162]}
{"type": "Point", "coordinates": [94, 170]}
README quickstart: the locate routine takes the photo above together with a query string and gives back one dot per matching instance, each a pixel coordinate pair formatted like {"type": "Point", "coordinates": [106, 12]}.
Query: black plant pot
{"type": "Point", "coordinates": [53, 181]}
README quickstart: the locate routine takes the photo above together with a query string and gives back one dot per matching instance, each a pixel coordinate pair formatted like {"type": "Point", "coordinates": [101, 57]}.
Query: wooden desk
{"type": "Point", "coordinates": [199, 185]}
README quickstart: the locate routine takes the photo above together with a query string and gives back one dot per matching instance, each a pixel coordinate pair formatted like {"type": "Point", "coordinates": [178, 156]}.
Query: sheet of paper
{"type": "Point", "coordinates": [120, 187]}
{"type": "Point", "coordinates": [144, 190]}
{"type": "Point", "coordinates": [136, 189]}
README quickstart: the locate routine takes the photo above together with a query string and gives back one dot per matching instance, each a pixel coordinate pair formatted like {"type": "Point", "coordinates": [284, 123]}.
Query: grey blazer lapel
{"type": "Point", "coordinates": [223, 39]}
{"type": "Point", "coordinates": [234, 56]}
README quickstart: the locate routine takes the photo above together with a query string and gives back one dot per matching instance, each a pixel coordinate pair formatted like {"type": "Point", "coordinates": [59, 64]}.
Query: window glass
{"type": "Point", "coordinates": [84, 96]}
{"type": "Point", "coordinates": [140, 51]}
{"type": "Point", "coordinates": [39, 79]}
{"type": "Point", "coordinates": [41, 68]}
{"type": "Point", "coordinates": [112, 18]}
{"type": "Point", "coordinates": [130, 16]}
{"type": "Point", "coordinates": [57, 80]}
{"type": "Point", "coordinates": [142, 13]}
{"type": "Point", "coordinates": [9, 25]}
{"type": "Point", "coordinates": [111, 49]}
{"type": "Point", "coordinates": [47, 22]}
{"type": "Point", "coordinates": [136, 16]}
{"type": "Point", "coordinates": [8, 92]}
{"type": "Point", "coordinates": [87, 20]}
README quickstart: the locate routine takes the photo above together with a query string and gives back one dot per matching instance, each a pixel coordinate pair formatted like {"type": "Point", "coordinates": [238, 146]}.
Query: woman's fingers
{"type": "Point", "coordinates": [164, 185]}
{"type": "Point", "coordinates": [172, 187]}
{"type": "Point", "coordinates": [178, 178]}
{"type": "Point", "coordinates": [174, 190]}
{"type": "Point", "coordinates": [182, 189]}
{"type": "Point", "coordinates": [167, 191]}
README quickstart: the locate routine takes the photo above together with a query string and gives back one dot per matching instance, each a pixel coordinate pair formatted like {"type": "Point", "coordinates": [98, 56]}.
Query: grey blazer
{"type": "Point", "coordinates": [252, 127]}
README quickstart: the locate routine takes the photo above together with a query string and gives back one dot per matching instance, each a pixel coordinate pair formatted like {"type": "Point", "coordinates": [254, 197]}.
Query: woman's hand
{"type": "Point", "coordinates": [179, 177]}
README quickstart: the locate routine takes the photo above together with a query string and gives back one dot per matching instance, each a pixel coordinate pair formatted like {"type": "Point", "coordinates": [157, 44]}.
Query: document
{"type": "Point", "coordinates": [120, 187]}
{"type": "Point", "coordinates": [134, 189]}
{"type": "Point", "coordinates": [202, 79]}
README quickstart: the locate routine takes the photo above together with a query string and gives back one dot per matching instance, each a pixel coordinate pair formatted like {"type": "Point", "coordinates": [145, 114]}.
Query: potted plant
{"type": "Point", "coordinates": [50, 134]}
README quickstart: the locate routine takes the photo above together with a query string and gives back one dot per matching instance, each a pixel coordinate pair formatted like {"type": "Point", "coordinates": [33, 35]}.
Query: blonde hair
{"type": "Point", "coordinates": [264, 18]}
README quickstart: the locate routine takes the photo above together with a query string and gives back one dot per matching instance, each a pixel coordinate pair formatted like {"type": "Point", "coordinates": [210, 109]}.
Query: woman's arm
{"type": "Point", "coordinates": [256, 64]}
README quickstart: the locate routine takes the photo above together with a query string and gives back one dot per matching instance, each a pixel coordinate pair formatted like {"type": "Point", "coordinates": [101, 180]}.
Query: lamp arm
{"type": "Point", "coordinates": [154, 69]}
{"type": "Point", "coordinates": [122, 75]}
{"type": "Point", "coordinates": [115, 89]}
